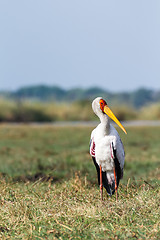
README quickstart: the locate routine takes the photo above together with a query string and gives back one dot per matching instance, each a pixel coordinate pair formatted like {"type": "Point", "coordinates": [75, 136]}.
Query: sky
{"type": "Point", "coordinates": [114, 45]}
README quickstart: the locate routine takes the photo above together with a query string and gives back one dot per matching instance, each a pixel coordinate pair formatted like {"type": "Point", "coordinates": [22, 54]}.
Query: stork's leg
{"type": "Point", "coordinates": [101, 184]}
{"type": "Point", "coordinates": [115, 179]}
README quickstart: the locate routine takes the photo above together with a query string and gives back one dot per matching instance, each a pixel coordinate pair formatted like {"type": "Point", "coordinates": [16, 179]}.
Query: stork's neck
{"type": "Point", "coordinates": [105, 124]}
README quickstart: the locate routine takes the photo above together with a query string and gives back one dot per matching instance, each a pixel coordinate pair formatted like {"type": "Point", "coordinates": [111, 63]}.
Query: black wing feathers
{"type": "Point", "coordinates": [118, 169]}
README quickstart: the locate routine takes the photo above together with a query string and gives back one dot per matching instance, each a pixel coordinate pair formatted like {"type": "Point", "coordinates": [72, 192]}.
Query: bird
{"type": "Point", "coordinates": [106, 148]}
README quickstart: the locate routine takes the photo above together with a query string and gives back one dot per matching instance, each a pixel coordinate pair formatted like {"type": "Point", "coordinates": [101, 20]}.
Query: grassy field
{"type": "Point", "coordinates": [49, 189]}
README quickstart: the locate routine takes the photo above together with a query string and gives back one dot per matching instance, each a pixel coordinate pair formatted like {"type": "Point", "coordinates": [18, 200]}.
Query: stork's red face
{"type": "Point", "coordinates": [102, 104]}
{"type": "Point", "coordinates": [105, 109]}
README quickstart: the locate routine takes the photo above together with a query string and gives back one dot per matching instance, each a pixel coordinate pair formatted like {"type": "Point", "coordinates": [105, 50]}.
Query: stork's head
{"type": "Point", "coordinates": [100, 106]}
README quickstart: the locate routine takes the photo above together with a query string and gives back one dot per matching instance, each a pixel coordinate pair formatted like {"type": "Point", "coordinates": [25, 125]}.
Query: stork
{"type": "Point", "coordinates": [106, 148]}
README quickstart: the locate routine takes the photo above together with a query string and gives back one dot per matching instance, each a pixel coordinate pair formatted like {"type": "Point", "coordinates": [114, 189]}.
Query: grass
{"type": "Point", "coordinates": [49, 188]}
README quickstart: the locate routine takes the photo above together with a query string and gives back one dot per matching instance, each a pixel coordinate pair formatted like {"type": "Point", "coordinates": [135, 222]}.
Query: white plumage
{"type": "Point", "coordinates": [106, 146]}
{"type": "Point", "coordinates": [103, 147]}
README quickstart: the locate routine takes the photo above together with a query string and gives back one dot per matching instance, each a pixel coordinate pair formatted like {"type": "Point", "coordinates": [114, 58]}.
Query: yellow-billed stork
{"type": "Point", "coordinates": [106, 148]}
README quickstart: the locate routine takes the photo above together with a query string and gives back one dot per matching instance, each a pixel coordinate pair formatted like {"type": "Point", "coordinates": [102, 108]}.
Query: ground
{"type": "Point", "coordinates": [49, 185]}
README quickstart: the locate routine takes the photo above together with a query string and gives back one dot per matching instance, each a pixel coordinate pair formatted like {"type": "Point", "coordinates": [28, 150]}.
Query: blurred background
{"type": "Point", "coordinates": [57, 56]}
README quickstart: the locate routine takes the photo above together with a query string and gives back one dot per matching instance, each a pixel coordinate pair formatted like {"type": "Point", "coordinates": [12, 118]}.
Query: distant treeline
{"type": "Point", "coordinates": [138, 98]}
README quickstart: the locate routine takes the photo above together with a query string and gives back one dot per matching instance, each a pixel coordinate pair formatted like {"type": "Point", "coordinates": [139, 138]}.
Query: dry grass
{"type": "Point", "coordinates": [73, 210]}
{"type": "Point", "coordinates": [63, 201]}
{"type": "Point", "coordinates": [33, 111]}
{"type": "Point", "coordinates": [151, 112]}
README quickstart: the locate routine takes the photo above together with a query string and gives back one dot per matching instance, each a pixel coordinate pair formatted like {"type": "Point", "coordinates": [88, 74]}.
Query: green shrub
{"type": "Point", "coordinates": [36, 111]}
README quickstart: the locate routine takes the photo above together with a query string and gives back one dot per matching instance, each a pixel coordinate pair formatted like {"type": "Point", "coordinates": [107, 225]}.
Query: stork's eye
{"type": "Point", "coordinates": [102, 102]}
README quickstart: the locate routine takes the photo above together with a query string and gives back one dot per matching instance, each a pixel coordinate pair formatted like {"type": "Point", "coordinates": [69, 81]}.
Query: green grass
{"type": "Point", "coordinates": [49, 188]}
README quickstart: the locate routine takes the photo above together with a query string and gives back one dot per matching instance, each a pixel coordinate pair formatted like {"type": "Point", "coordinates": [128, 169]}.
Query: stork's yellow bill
{"type": "Point", "coordinates": [108, 111]}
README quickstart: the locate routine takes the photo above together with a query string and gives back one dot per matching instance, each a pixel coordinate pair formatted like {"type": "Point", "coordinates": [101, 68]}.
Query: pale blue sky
{"type": "Point", "coordinates": [111, 44]}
